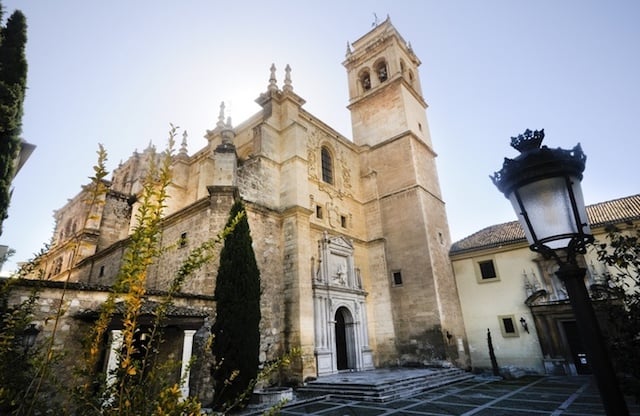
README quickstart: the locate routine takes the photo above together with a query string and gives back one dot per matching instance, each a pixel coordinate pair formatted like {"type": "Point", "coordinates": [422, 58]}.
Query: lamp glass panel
{"type": "Point", "coordinates": [548, 205]}
{"type": "Point", "coordinates": [582, 209]}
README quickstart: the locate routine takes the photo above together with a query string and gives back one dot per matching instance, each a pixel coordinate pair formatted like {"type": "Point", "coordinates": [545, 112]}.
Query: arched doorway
{"type": "Point", "coordinates": [344, 339]}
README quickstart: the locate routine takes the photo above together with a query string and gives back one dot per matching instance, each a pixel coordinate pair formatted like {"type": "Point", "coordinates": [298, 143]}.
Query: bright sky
{"type": "Point", "coordinates": [119, 72]}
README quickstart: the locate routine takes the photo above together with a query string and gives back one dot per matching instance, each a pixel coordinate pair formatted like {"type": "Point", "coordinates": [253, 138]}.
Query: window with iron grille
{"type": "Point", "coordinates": [397, 278]}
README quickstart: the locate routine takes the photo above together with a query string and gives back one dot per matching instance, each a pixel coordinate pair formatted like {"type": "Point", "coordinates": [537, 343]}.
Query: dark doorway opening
{"type": "Point", "coordinates": [341, 341]}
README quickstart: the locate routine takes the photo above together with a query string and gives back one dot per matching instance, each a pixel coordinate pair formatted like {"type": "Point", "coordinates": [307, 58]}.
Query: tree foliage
{"type": "Point", "coordinates": [140, 383]}
{"type": "Point", "coordinates": [620, 251]}
{"type": "Point", "coordinates": [13, 84]}
{"type": "Point", "coordinates": [143, 382]}
{"type": "Point", "coordinates": [17, 362]}
{"type": "Point", "coordinates": [236, 329]}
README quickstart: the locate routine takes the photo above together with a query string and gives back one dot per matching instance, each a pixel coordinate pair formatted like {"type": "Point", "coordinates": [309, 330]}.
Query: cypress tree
{"type": "Point", "coordinates": [492, 355]}
{"type": "Point", "coordinates": [236, 329]}
{"type": "Point", "coordinates": [13, 84]}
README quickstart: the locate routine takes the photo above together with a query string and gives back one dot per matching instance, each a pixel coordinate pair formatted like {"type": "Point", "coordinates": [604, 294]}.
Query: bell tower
{"type": "Point", "coordinates": [385, 96]}
{"type": "Point", "coordinates": [405, 210]}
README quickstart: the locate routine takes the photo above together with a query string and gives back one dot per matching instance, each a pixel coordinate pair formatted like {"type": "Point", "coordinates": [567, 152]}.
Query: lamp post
{"type": "Point", "coordinates": [543, 185]}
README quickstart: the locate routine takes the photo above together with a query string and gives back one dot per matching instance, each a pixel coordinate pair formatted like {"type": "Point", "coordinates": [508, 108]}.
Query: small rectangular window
{"type": "Point", "coordinates": [487, 270]}
{"type": "Point", "coordinates": [343, 221]}
{"type": "Point", "coordinates": [397, 278]}
{"type": "Point", "coordinates": [101, 274]}
{"type": "Point", "coordinates": [318, 211]}
{"type": "Point", "coordinates": [183, 240]}
{"type": "Point", "coordinates": [508, 326]}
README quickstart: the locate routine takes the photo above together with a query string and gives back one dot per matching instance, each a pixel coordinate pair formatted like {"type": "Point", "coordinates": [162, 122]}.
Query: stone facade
{"type": "Point", "coordinates": [351, 237]}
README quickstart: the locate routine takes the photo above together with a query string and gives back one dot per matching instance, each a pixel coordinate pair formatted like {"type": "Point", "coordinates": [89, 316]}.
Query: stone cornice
{"type": "Point", "coordinates": [333, 232]}
{"type": "Point", "coordinates": [296, 210]}
{"type": "Point", "coordinates": [406, 133]}
{"type": "Point", "coordinates": [397, 79]}
{"type": "Point", "coordinates": [85, 287]}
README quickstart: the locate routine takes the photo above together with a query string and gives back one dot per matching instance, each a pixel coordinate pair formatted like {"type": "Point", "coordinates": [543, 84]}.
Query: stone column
{"type": "Point", "coordinates": [115, 346]}
{"type": "Point", "coordinates": [317, 321]}
{"type": "Point", "coordinates": [187, 350]}
{"type": "Point", "coordinates": [367, 352]}
{"type": "Point", "coordinates": [365, 329]}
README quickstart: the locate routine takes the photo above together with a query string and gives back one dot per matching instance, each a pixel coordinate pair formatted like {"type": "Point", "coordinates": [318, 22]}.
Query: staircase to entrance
{"type": "Point", "coordinates": [381, 385]}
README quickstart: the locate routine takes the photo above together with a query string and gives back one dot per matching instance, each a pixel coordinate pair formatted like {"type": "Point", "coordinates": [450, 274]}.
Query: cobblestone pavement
{"type": "Point", "coordinates": [556, 396]}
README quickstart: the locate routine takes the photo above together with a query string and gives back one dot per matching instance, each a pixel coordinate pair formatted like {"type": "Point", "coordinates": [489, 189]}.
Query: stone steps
{"type": "Point", "coordinates": [381, 386]}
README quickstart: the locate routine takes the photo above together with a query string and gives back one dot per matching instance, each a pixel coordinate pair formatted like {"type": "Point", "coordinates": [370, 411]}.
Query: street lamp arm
{"type": "Point", "coordinates": [576, 246]}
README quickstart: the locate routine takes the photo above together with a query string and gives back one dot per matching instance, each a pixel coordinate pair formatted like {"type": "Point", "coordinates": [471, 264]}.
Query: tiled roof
{"type": "Point", "coordinates": [603, 213]}
{"type": "Point", "coordinates": [149, 308]}
{"type": "Point", "coordinates": [616, 211]}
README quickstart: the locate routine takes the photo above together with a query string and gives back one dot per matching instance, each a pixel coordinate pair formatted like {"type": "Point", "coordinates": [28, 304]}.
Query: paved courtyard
{"type": "Point", "coordinates": [532, 396]}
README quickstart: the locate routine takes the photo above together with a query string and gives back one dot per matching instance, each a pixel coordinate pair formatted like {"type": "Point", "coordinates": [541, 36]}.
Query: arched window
{"type": "Point", "coordinates": [365, 80]}
{"type": "Point", "coordinates": [57, 266]}
{"type": "Point", "coordinates": [327, 165]}
{"type": "Point", "coordinates": [68, 228]}
{"type": "Point", "coordinates": [382, 71]}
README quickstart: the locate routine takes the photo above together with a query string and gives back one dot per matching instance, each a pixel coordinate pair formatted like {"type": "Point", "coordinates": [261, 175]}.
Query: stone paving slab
{"type": "Point", "coordinates": [528, 396]}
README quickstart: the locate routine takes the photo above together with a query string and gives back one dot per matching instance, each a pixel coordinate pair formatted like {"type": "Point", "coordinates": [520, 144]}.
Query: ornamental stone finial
{"type": "Point", "coordinates": [183, 146]}
{"type": "Point", "coordinates": [348, 49]}
{"type": "Point", "coordinates": [227, 133]}
{"type": "Point", "coordinates": [287, 79]}
{"type": "Point", "coordinates": [273, 86]}
{"type": "Point", "coordinates": [220, 123]}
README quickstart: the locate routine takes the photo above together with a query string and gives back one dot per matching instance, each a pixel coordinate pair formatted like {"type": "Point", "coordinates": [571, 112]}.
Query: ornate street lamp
{"type": "Point", "coordinates": [543, 186]}
{"type": "Point", "coordinates": [29, 336]}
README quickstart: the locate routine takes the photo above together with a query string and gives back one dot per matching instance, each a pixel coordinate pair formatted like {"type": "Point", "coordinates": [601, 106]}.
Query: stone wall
{"type": "Point", "coordinates": [74, 325]}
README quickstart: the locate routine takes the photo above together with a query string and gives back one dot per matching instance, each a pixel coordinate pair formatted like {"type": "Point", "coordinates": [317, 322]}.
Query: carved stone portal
{"type": "Point", "coordinates": [340, 315]}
